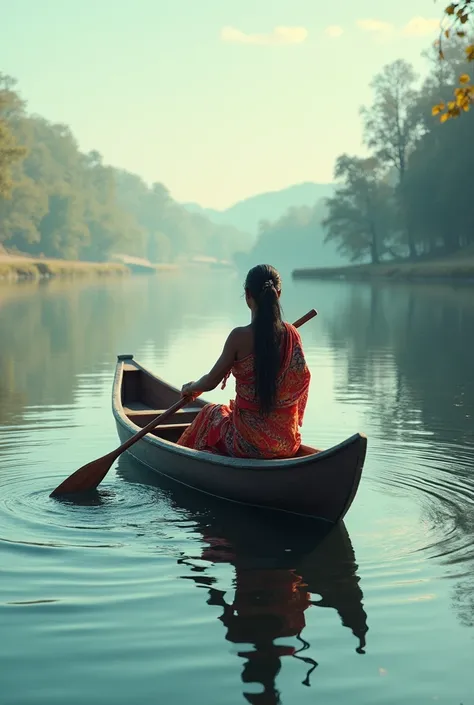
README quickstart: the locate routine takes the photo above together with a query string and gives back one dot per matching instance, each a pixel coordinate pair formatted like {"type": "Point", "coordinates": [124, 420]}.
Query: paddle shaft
{"type": "Point", "coordinates": [304, 319]}
{"type": "Point", "coordinates": [185, 400]}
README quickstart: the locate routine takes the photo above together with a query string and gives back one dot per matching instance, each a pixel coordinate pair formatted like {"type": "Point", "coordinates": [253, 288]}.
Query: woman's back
{"type": "Point", "coordinates": [274, 434]}
{"type": "Point", "coordinates": [272, 381]}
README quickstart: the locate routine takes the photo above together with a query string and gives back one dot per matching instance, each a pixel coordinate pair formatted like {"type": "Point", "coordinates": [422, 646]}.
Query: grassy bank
{"type": "Point", "coordinates": [455, 269]}
{"type": "Point", "coordinates": [12, 269]}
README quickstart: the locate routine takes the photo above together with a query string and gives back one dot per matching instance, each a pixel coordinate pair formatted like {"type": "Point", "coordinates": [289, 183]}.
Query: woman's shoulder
{"type": "Point", "coordinates": [242, 338]}
{"type": "Point", "coordinates": [241, 332]}
{"type": "Point", "coordinates": [293, 331]}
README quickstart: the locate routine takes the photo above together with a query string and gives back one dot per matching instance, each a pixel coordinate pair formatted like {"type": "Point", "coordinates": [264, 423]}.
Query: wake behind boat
{"type": "Point", "coordinates": [316, 484]}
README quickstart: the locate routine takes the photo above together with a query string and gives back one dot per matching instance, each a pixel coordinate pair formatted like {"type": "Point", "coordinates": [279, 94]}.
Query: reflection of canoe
{"type": "Point", "coordinates": [313, 484]}
{"type": "Point", "coordinates": [256, 540]}
{"type": "Point", "coordinates": [284, 566]}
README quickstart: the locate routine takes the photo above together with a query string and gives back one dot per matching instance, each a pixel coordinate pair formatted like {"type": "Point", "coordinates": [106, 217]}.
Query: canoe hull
{"type": "Point", "coordinates": [321, 486]}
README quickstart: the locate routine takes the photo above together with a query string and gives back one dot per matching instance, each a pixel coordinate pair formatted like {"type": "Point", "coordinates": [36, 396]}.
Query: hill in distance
{"type": "Point", "coordinates": [246, 214]}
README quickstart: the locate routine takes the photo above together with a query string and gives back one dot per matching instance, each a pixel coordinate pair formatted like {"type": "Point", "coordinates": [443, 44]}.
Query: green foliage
{"type": "Point", "coordinates": [439, 191]}
{"type": "Point", "coordinates": [10, 150]}
{"type": "Point", "coordinates": [22, 213]}
{"type": "Point", "coordinates": [59, 202]}
{"type": "Point", "coordinates": [361, 215]}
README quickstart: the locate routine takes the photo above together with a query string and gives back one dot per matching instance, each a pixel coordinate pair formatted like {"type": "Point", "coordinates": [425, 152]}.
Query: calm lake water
{"type": "Point", "coordinates": [149, 594]}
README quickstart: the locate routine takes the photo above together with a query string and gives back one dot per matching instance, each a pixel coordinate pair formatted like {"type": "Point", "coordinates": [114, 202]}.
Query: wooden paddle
{"type": "Point", "coordinates": [91, 475]}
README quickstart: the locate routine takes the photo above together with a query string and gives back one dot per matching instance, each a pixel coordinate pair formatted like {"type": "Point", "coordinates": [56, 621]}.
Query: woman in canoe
{"type": "Point", "coordinates": [272, 380]}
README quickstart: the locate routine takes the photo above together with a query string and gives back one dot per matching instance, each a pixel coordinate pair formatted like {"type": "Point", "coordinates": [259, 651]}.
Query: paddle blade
{"type": "Point", "coordinates": [86, 478]}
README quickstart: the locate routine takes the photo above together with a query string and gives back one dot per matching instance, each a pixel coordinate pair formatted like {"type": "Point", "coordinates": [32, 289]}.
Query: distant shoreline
{"type": "Point", "coordinates": [18, 268]}
{"type": "Point", "coordinates": [14, 268]}
{"type": "Point", "coordinates": [446, 270]}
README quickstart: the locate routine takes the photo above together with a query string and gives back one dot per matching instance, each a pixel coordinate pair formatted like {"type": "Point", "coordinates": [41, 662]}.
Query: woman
{"type": "Point", "coordinates": [272, 381]}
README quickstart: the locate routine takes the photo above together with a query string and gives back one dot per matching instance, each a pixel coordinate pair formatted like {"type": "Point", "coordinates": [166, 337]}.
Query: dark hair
{"type": "Point", "coordinates": [263, 283]}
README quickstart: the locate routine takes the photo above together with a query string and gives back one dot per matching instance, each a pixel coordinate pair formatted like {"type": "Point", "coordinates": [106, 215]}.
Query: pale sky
{"type": "Point", "coordinates": [217, 99]}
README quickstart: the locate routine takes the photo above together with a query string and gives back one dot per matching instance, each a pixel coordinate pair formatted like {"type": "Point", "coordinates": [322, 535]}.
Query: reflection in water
{"type": "Point", "coordinates": [69, 329]}
{"type": "Point", "coordinates": [409, 351]}
{"type": "Point", "coordinates": [282, 568]}
{"type": "Point", "coordinates": [412, 348]}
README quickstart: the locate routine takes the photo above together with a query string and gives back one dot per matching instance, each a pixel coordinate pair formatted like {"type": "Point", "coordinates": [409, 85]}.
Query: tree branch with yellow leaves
{"type": "Point", "coordinates": [457, 17]}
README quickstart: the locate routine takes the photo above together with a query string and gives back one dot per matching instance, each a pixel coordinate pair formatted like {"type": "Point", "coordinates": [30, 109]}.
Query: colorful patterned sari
{"type": "Point", "coordinates": [239, 430]}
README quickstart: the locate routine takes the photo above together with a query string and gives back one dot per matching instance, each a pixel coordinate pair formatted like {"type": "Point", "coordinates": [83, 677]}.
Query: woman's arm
{"type": "Point", "coordinates": [223, 365]}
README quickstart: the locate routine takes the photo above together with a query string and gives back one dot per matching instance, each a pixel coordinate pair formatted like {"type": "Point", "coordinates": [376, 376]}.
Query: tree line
{"type": "Point", "coordinates": [57, 201]}
{"type": "Point", "coordinates": [409, 197]}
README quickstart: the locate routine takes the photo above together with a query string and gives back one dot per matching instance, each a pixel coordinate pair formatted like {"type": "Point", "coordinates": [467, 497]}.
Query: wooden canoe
{"type": "Point", "coordinates": [316, 484]}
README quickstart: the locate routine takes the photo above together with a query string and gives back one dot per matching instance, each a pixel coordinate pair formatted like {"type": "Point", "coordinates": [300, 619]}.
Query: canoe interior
{"type": "Point", "coordinates": [144, 397]}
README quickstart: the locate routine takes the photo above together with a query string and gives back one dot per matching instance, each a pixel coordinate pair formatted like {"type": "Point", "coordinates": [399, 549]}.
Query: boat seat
{"type": "Point", "coordinates": [170, 432]}
{"type": "Point", "coordinates": [185, 410]}
{"type": "Point", "coordinates": [144, 417]}
{"type": "Point", "coordinates": [137, 408]}
{"type": "Point", "coordinates": [172, 426]}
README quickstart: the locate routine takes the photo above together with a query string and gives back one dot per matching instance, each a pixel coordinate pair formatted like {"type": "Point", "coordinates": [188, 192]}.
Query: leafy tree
{"type": "Point", "coordinates": [110, 227]}
{"type": "Point", "coordinates": [361, 215]}
{"type": "Point", "coordinates": [147, 207]}
{"type": "Point", "coordinates": [392, 126]}
{"type": "Point", "coordinates": [10, 150]}
{"type": "Point", "coordinates": [63, 230]}
{"type": "Point", "coordinates": [21, 215]}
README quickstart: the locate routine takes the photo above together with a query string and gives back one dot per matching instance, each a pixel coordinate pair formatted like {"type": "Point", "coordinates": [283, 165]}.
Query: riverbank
{"type": "Point", "coordinates": [15, 268]}
{"type": "Point", "coordinates": [455, 269]}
